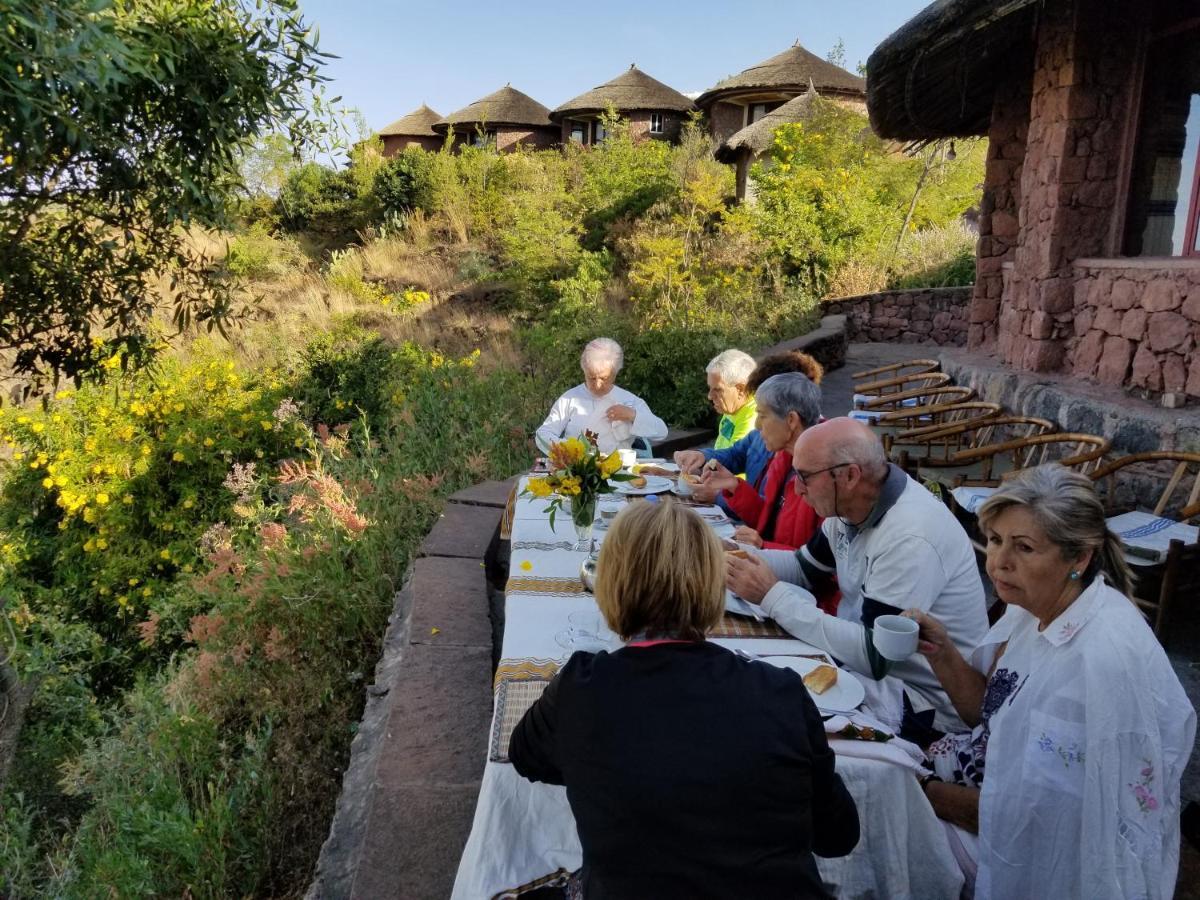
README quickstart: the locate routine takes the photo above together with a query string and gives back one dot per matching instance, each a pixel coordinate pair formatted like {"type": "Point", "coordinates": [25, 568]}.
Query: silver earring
{"type": "Point", "coordinates": [1074, 576]}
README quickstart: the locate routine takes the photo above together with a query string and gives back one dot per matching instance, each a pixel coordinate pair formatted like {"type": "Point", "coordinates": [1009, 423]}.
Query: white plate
{"type": "Point", "coordinates": [655, 484]}
{"type": "Point", "coordinates": [844, 697]}
{"type": "Point", "coordinates": [735, 604]}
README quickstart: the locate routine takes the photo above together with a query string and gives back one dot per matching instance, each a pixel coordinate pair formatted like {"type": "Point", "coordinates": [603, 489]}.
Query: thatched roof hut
{"type": "Point", "coordinates": [756, 139]}
{"type": "Point", "coordinates": [506, 107]}
{"type": "Point", "coordinates": [418, 123]}
{"type": "Point", "coordinates": [788, 72]}
{"type": "Point", "coordinates": [937, 75]}
{"type": "Point", "coordinates": [632, 89]}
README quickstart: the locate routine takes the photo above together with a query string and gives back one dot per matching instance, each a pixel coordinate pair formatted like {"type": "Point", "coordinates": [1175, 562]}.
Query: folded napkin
{"type": "Point", "coordinates": [896, 750]}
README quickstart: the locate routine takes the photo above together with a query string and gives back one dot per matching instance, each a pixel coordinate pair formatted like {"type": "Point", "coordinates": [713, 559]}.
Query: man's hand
{"type": "Point", "coordinates": [750, 579]}
{"type": "Point", "coordinates": [717, 477]}
{"type": "Point", "coordinates": [689, 460]}
{"type": "Point", "coordinates": [619, 412]}
{"type": "Point", "coordinates": [747, 535]}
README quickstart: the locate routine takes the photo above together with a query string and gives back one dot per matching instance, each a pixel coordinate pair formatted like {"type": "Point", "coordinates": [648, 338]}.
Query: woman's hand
{"type": "Point", "coordinates": [933, 640]}
{"type": "Point", "coordinates": [689, 460]}
{"type": "Point", "coordinates": [619, 412]}
{"type": "Point", "coordinates": [744, 534]}
{"type": "Point", "coordinates": [717, 477]}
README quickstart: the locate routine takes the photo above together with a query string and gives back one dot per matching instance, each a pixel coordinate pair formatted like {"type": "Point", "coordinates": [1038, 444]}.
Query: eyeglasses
{"type": "Point", "coordinates": [802, 477]}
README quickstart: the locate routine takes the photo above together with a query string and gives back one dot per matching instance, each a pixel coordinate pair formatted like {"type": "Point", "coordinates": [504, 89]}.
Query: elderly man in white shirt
{"type": "Point", "coordinates": [615, 415]}
{"type": "Point", "coordinates": [891, 546]}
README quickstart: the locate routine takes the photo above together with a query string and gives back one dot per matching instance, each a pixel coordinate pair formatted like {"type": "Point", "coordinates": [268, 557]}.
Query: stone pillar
{"type": "Point", "coordinates": [999, 207]}
{"type": "Point", "coordinates": [1083, 63]}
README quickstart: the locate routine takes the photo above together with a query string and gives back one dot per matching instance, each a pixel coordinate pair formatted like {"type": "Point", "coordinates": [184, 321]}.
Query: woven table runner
{"type": "Point", "coordinates": [558, 587]}
{"type": "Point", "coordinates": [517, 686]}
{"type": "Point", "coordinates": [732, 626]}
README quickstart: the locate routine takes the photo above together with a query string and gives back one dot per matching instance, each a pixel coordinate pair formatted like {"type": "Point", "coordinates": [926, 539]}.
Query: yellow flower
{"type": "Point", "coordinates": [539, 487]}
{"type": "Point", "coordinates": [569, 485]}
{"type": "Point", "coordinates": [102, 499]}
{"type": "Point", "coordinates": [177, 456]}
{"type": "Point", "coordinates": [208, 442]}
{"type": "Point", "coordinates": [165, 554]}
{"type": "Point", "coordinates": [566, 453]}
{"type": "Point", "coordinates": [526, 566]}
{"type": "Point", "coordinates": [47, 483]}
{"type": "Point", "coordinates": [610, 464]}
{"type": "Point", "coordinates": [38, 427]}
{"type": "Point", "coordinates": [266, 424]}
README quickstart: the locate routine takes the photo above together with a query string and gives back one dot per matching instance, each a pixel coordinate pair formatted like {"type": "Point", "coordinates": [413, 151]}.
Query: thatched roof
{"type": "Point", "coordinates": [790, 70]}
{"type": "Point", "coordinates": [632, 89]}
{"type": "Point", "coordinates": [507, 106]}
{"type": "Point", "coordinates": [937, 75]}
{"type": "Point", "coordinates": [418, 123]}
{"type": "Point", "coordinates": [758, 137]}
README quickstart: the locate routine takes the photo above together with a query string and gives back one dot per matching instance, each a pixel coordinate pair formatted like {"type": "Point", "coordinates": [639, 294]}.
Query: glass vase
{"type": "Point", "coordinates": [583, 515]}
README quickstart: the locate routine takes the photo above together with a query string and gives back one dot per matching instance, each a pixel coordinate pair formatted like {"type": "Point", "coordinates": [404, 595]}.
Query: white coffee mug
{"type": "Point", "coordinates": [628, 457]}
{"type": "Point", "coordinates": [895, 637]}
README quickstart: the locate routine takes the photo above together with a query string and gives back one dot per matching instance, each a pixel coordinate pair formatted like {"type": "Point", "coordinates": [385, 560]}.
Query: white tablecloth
{"type": "Point", "coordinates": [523, 831]}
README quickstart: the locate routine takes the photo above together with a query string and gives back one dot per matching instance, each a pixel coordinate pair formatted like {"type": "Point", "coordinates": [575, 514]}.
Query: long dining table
{"type": "Point", "coordinates": [523, 834]}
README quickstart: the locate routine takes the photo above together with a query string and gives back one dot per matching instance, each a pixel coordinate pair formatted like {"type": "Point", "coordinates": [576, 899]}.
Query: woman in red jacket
{"type": "Point", "coordinates": [778, 519]}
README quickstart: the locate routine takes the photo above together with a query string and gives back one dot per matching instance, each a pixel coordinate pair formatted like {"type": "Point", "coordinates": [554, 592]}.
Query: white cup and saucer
{"type": "Point", "coordinates": [895, 637]}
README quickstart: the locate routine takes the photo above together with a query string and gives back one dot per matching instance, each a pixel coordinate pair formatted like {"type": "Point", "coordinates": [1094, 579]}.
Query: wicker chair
{"type": "Point", "coordinates": [1105, 477]}
{"type": "Point", "coordinates": [919, 396]}
{"type": "Point", "coordinates": [1180, 582]}
{"type": "Point", "coordinates": [939, 442]}
{"type": "Point", "coordinates": [988, 465]}
{"type": "Point", "coordinates": [908, 367]}
{"type": "Point", "coordinates": [901, 383]}
{"type": "Point", "coordinates": [912, 422]}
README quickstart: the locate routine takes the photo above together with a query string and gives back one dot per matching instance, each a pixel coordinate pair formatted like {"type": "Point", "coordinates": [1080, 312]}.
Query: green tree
{"type": "Point", "coordinates": [120, 124]}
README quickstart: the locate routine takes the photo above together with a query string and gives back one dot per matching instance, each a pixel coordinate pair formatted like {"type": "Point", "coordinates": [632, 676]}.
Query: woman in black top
{"type": "Point", "coordinates": [691, 771]}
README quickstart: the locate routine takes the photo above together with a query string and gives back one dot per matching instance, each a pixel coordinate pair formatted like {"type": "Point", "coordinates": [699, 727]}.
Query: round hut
{"type": "Point", "coordinates": [413, 130]}
{"type": "Point", "coordinates": [506, 117]}
{"type": "Point", "coordinates": [752, 143]}
{"type": "Point", "coordinates": [743, 99]}
{"type": "Point", "coordinates": [653, 109]}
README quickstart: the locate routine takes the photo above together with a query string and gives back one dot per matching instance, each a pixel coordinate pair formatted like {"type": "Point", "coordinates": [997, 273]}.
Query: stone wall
{"type": "Point", "coordinates": [920, 316]}
{"type": "Point", "coordinates": [394, 143]}
{"type": "Point", "coordinates": [1000, 205]}
{"type": "Point", "coordinates": [1137, 323]}
{"type": "Point", "coordinates": [534, 138]}
{"type": "Point", "coordinates": [725, 120]}
{"type": "Point", "coordinates": [1079, 105]}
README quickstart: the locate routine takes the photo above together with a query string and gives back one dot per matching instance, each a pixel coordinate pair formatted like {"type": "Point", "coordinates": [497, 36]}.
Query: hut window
{"type": "Point", "coordinates": [1164, 200]}
{"type": "Point", "coordinates": [599, 132]}
{"type": "Point", "coordinates": [656, 123]}
{"type": "Point", "coordinates": [579, 132]}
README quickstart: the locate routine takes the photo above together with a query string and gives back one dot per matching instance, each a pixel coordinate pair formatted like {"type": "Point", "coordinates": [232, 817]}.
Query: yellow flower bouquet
{"type": "Point", "coordinates": [579, 473]}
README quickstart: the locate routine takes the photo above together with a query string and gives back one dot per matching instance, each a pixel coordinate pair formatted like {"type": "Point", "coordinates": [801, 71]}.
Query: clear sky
{"type": "Point", "coordinates": [397, 54]}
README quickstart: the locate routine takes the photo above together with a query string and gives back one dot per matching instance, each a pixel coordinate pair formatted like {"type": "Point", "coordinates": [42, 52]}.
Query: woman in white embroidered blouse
{"type": "Point", "coordinates": [1082, 723]}
{"type": "Point", "coordinates": [615, 415]}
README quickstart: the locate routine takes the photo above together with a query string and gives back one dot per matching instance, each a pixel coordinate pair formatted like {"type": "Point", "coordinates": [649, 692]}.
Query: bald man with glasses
{"type": "Point", "coordinates": [890, 545]}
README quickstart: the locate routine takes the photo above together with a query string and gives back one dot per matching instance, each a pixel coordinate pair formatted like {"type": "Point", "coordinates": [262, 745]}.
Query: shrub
{"type": "Point", "coordinates": [943, 256]}
{"type": "Point", "coordinates": [257, 254]}
{"type": "Point", "coordinates": [317, 199]}
{"type": "Point", "coordinates": [404, 182]}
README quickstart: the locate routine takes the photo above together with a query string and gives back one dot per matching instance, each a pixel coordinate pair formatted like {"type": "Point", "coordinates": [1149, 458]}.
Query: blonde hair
{"type": "Point", "coordinates": [661, 573]}
{"type": "Point", "coordinates": [1067, 508]}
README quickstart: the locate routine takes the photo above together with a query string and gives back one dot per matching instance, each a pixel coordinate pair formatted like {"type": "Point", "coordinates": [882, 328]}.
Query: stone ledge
{"type": "Point", "coordinates": [827, 343]}
{"type": "Point", "coordinates": [462, 530]}
{"type": "Point", "coordinates": [1131, 424]}
{"type": "Point", "coordinates": [486, 493]}
{"type": "Point", "coordinates": [454, 601]}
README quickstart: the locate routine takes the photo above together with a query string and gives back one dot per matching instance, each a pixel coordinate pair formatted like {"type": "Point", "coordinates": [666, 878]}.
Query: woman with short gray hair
{"type": "Point", "coordinates": [597, 405]}
{"type": "Point", "coordinates": [1082, 723]}
{"type": "Point", "coordinates": [728, 375]}
{"type": "Point", "coordinates": [779, 519]}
